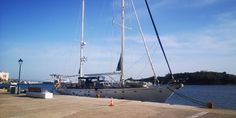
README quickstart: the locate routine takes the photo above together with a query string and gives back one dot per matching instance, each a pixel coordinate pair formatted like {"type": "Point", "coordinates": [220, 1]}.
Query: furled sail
{"type": "Point", "coordinates": [79, 71]}
{"type": "Point", "coordinates": [118, 68]}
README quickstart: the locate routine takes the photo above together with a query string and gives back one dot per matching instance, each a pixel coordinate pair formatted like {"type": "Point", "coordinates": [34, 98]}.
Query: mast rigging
{"type": "Point", "coordinates": [159, 40]}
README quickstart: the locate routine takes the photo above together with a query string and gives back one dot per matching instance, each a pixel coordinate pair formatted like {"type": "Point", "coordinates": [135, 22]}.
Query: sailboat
{"type": "Point", "coordinates": [93, 85]}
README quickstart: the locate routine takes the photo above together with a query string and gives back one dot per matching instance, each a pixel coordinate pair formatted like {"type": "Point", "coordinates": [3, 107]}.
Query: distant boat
{"type": "Point", "coordinates": [31, 82]}
{"type": "Point", "coordinates": [13, 83]}
{"type": "Point", "coordinates": [95, 85]}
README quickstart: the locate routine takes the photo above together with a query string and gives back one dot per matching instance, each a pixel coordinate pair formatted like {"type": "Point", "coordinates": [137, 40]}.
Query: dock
{"type": "Point", "coordinates": [62, 106]}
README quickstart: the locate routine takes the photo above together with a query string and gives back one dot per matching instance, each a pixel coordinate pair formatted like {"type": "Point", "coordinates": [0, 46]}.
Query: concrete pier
{"type": "Point", "coordinates": [20, 106]}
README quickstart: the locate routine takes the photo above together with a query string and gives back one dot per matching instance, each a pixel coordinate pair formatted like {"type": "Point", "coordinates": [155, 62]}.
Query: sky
{"type": "Point", "coordinates": [197, 35]}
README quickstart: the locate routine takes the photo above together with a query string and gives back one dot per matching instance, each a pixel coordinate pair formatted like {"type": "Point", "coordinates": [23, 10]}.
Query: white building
{"type": "Point", "coordinates": [4, 76]}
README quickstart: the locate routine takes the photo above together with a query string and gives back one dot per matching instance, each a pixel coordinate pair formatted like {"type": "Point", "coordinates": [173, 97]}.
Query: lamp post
{"type": "Point", "coordinates": [20, 61]}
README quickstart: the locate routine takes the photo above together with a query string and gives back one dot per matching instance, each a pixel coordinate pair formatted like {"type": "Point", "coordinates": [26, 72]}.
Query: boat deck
{"type": "Point", "coordinates": [62, 106]}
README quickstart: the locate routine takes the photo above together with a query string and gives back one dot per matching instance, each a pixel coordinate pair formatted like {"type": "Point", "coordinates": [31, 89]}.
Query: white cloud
{"type": "Point", "coordinates": [210, 48]}
{"type": "Point", "coordinates": [227, 16]}
{"type": "Point", "coordinates": [41, 60]}
{"type": "Point", "coordinates": [219, 37]}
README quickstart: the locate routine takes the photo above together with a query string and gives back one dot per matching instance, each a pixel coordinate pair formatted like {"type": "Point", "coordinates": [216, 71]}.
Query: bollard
{"type": "Point", "coordinates": [209, 105]}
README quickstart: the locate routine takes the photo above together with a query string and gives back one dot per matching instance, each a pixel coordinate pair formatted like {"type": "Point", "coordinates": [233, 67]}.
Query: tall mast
{"type": "Point", "coordinates": [82, 43]}
{"type": "Point", "coordinates": [122, 42]}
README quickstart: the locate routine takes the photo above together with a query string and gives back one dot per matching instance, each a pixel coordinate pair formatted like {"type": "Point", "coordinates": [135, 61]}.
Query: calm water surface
{"type": "Point", "coordinates": [222, 96]}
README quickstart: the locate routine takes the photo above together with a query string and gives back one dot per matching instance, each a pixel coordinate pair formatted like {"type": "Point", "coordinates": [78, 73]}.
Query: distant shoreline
{"type": "Point", "coordinates": [198, 78]}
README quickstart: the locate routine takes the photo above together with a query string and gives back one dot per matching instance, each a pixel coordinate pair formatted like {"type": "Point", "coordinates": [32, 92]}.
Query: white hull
{"type": "Point", "coordinates": [153, 94]}
{"type": "Point", "coordinates": [45, 95]}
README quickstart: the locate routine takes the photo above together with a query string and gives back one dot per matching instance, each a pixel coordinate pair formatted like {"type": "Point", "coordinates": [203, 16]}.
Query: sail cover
{"type": "Point", "coordinates": [118, 68]}
{"type": "Point", "coordinates": [79, 72]}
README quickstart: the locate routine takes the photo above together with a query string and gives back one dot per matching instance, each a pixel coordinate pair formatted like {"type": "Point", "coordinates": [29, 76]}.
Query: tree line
{"type": "Point", "coordinates": [197, 78]}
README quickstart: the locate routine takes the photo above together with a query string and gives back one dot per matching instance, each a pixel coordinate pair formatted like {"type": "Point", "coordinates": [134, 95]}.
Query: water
{"type": "Point", "coordinates": [44, 87]}
{"type": "Point", "coordinates": [222, 96]}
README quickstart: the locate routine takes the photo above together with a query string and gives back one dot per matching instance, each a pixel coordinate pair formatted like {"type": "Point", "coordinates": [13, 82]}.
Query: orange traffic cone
{"type": "Point", "coordinates": [111, 103]}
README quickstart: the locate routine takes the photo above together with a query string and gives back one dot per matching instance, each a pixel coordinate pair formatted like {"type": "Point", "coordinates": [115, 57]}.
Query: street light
{"type": "Point", "coordinates": [20, 61]}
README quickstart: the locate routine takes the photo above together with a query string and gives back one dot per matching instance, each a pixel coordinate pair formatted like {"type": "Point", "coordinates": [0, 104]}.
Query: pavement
{"type": "Point", "coordinates": [62, 106]}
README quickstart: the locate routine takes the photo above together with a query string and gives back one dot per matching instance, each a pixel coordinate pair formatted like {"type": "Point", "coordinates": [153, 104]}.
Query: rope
{"type": "Point", "coordinates": [193, 100]}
